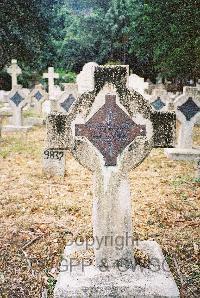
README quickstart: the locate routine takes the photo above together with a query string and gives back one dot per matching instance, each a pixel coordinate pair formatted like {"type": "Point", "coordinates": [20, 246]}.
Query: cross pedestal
{"type": "Point", "coordinates": [111, 134]}
{"type": "Point", "coordinates": [14, 70]}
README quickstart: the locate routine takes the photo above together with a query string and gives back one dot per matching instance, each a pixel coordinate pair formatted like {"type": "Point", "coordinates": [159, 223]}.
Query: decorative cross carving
{"type": "Point", "coordinates": [189, 109]}
{"type": "Point", "coordinates": [110, 130]}
{"type": "Point", "coordinates": [14, 70]}
{"type": "Point", "coordinates": [51, 75]}
{"type": "Point", "coordinates": [158, 104]}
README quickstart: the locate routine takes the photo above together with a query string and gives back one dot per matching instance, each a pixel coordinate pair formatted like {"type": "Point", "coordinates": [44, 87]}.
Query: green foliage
{"type": "Point", "coordinates": [151, 36]}
{"type": "Point", "coordinates": [24, 29]}
{"type": "Point", "coordinates": [66, 76]}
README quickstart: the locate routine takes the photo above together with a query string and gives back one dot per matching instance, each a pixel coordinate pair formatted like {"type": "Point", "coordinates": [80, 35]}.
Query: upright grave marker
{"type": "Point", "coordinates": [68, 98]}
{"type": "Point", "coordinates": [51, 76]}
{"type": "Point", "coordinates": [14, 71]}
{"type": "Point", "coordinates": [18, 100]}
{"type": "Point", "coordinates": [111, 135]}
{"type": "Point", "coordinates": [85, 79]}
{"type": "Point", "coordinates": [160, 99]}
{"type": "Point", "coordinates": [138, 84]}
{"type": "Point", "coordinates": [37, 97]}
{"type": "Point", "coordinates": [187, 108]}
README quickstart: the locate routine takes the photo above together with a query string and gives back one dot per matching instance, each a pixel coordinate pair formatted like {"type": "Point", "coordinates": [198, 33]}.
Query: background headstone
{"type": "Point", "coordinates": [187, 108]}
{"type": "Point", "coordinates": [85, 79]}
{"type": "Point", "coordinates": [52, 90]}
{"type": "Point", "coordinates": [14, 71]}
{"type": "Point", "coordinates": [138, 84]}
{"type": "Point", "coordinates": [37, 97]}
{"type": "Point", "coordinates": [68, 97]}
{"type": "Point", "coordinates": [18, 100]}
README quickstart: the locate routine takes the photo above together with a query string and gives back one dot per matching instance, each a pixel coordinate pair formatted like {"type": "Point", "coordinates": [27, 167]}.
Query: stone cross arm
{"type": "Point", "coordinates": [111, 130]}
{"type": "Point", "coordinates": [50, 75]}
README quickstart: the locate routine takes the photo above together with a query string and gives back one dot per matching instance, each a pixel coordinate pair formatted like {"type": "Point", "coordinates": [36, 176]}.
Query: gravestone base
{"type": "Point", "coordinates": [192, 154]}
{"type": "Point", "coordinates": [140, 282]}
{"type": "Point", "coordinates": [13, 128]}
{"type": "Point", "coordinates": [34, 121]}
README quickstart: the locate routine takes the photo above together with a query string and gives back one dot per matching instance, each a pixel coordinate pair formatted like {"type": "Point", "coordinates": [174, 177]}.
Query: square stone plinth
{"type": "Point", "coordinates": [183, 154]}
{"type": "Point", "coordinates": [13, 128]}
{"type": "Point", "coordinates": [155, 281]}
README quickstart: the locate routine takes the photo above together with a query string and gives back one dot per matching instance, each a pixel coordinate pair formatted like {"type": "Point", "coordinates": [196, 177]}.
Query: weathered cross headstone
{"type": "Point", "coordinates": [18, 100]}
{"type": "Point", "coordinates": [51, 76]}
{"type": "Point", "coordinates": [111, 135]}
{"type": "Point", "coordinates": [14, 71]}
{"type": "Point", "coordinates": [187, 108]}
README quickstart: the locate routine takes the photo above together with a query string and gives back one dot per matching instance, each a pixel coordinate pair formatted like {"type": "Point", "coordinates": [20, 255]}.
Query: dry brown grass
{"type": "Point", "coordinates": [50, 210]}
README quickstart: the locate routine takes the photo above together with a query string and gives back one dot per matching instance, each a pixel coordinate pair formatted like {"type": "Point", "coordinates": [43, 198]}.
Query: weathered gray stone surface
{"type": "Point", "coordinates": [139, 282]}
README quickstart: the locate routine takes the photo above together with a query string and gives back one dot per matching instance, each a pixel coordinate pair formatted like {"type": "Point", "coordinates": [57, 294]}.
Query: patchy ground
{"type": "Point", "coordinates": [39, 214]}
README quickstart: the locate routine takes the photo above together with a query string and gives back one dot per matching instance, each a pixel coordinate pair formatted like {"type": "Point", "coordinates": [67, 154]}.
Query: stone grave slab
{"type": "Point", "coordinates": [111, 134]}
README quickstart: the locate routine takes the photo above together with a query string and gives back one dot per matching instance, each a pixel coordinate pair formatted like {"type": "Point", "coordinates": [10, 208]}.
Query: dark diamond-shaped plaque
{"type": "Point", "coordinates": [17, 98]}
{"type": "Point", "coordinates": [38, 96]}
{"type": "Point", "coordinates": [158, 104]}
{"type": "Point", "coordinates": [189, 109]}
{"type": "Point", "coordinates": [68, 102]}
{"type": "Point", "coordinates": [110, 130]}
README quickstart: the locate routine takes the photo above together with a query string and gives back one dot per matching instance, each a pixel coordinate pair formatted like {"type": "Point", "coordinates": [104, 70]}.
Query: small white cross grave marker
{"type": "Point", "coordinates": [14, 70]}
{"type": "Point", "coordinates": [51, 75]}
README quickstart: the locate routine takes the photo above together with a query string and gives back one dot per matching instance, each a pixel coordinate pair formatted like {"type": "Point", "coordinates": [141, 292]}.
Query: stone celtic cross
{"type": "Point", "coordinates": [14, 70]}
{"type": "Point", "coordinates": [116, 133]}
{"type": "Point", "coordinates": [110, 131]}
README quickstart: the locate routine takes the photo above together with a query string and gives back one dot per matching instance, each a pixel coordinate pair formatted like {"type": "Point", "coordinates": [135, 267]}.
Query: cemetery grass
{"type": "Point", "coordinates": [39, 214]}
